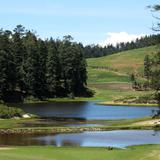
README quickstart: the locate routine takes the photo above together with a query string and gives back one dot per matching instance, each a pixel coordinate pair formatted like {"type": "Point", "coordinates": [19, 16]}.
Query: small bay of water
{"type": "Point", "coordinates": [86, 110]}
{"type": "Point", "coordinates": [118, 138]}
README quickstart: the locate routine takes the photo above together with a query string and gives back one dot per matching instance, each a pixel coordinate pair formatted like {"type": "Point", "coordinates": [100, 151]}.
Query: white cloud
{"type": "Point", "coordinates": [114, 38]}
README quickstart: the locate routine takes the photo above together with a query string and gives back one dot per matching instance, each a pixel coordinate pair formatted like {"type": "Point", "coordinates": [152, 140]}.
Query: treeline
{"type": "Point", "coordinates": [151, 75]}
{"type": "Point", "coordinates": [30, 66]}
{"type": "Point", "coordinates": [91, 51]}
{"type": "Point", "coordinates": [152, 72]}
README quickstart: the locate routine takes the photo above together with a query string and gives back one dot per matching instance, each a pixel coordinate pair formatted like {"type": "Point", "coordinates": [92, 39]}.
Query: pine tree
{"type": "Point", "coordinates": [33, 67]}
{"type": "Point", "coordinates": [31, 64]}
{"type": "Point", "coordinates": [79, 76]}
{"type": "Point", "coordinates": [156, 62]}
{"type": "Point", "coordinates": [41, 90]}
{"type": "Point", "coordinates": [155, 71]}
{"type": "Point", "coordinates": [7, 67]}
{"type": "Point", "coordinates": [53, 70]}
{"type": "Point", "coordinates": [73, 67]}
{"type": "Point", "coordinates": [66, 64]}
{"type": "Point", "coordinates": [147, 68]}
{"type": "Point", "coordinates": [19, 54]}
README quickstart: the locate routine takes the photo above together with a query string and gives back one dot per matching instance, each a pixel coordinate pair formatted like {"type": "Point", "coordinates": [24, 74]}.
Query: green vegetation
{"type": "Point", "coordinates": [146, 152]}
{"type": "Point", "coordinates": [40, 68]}
{"type": "Point", "coordinates": [124, 62]}
{"type": "Point", "coordinates": [104, 76]}
{"type": "Point", "coordinates": [10, 112]}
{"type": "Point", "coordinates": [59, 124]}
{"type": "Point", "coordinates": [109, 76]}
{"type": "Point", "coordinates": [91, 51]}
{"type": "Point", "coordinates": [52, 69]}
{"type": "Point", "coordinates": [33, 69]}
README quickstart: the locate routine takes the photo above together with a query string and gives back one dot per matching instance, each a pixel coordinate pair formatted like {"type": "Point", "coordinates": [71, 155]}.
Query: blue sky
{"type": "Point", "coordinates": [88, 21]}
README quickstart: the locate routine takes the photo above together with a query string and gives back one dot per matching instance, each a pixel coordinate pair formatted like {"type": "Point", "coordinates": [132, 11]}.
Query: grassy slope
{"type": "Point", "coordinates": [102, 76]}
{"type": "Point", "coordinates": [124, 62]}
{"type": "Point", "coordinates": [146, 152]}
{"type": "Point", "coordinates": [109, 75]}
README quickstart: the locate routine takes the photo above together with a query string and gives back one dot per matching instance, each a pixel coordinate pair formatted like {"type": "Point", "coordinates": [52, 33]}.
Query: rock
{"type": "Point", "coordinates": [26, 116]}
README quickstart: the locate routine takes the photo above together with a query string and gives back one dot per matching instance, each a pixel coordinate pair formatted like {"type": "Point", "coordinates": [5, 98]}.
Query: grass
{"type": "Point", "coordinates": [107, 92]}
{"type": "Point", "coordinates": [59, 125]}
{"type": "Point", "coordinates": [103, 76]}
{"type": "Point", "coordinates": [144, 152]}
{"type": "Point", "coordinates": [123, 62]}
{"type": "Point", "coordinates": [104, 92]}
{"type": "Point", "coordinates": [109, 76]}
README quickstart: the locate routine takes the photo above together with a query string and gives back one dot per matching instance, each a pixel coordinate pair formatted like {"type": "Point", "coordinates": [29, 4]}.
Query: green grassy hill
{"type": "Point", "coordinates": [109, 76]}
{"type": "Point", "coordinates": [123, 62]}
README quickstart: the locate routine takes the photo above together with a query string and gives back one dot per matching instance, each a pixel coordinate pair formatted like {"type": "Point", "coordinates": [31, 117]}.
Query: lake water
{"type": "Point", "coordinates": [119, 138]}
{"type": "Point", "coordinates": [86, 110]}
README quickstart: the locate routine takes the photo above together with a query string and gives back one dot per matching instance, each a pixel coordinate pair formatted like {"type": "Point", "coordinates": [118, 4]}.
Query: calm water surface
{"type": "Point", "coordinates": [87, 110]}
{"type": "Point", "coordinates": [119, 138]}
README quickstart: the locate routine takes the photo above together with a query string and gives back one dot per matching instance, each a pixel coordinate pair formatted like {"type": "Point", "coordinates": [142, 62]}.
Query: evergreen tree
{"type": "Point", "coordinates": [31, 65]}
{"type": "Point", "coordinates": [7, 67]}
{"type": "Point", "coordinates": [7, 74]}
{"type": "Point", "coordinates": [41, 91]}
{"type": "Point", "coordinates": [53, 70]}
{"type": "Point", "coordinates": [19, 54]}
{"type": "Point", "coordinates": [66, 60]}
{"type": "Point", "coordinates": [147, 68]}
{"type": "Point", "coordinates": [73, 66]}
{"type": "Point", "coordinates": [79, 75]}
{"type": "Point", "coordinates": [155, 71]}
{"type": "Point", "coordinates": [156, 62]}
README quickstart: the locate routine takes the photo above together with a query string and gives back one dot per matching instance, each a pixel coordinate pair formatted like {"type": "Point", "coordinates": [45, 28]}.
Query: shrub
{"type": "Point", "coordinates": [10, 112]}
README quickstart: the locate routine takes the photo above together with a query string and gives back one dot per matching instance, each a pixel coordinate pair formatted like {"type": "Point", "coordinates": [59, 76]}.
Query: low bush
{"type": "Point", "coordinates": [10, 112]}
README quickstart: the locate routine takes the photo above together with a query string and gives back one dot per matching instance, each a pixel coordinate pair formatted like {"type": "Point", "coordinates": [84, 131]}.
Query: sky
{"type": "Point", "coordinates": [87, 21]}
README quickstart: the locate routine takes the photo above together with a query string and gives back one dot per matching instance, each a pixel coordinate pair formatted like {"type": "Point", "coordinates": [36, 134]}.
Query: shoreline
{"type": "Point", "coordinates": [99, 102]}
{"type": "Point", "coordinates": [56, 130]}
{"type": "Point", "coordinates": [128, 104]}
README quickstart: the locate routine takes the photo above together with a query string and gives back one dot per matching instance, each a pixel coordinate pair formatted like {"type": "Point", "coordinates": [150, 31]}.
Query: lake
{"type": "Point", "coordinates": [118, 138]}
{"type": "Point", "coordinates": [86, 110]}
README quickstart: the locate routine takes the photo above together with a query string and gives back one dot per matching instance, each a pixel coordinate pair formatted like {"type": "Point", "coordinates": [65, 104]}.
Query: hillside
{"type": "Point", "coordinates": [109, 76]}
{"type": "Point", "coordinates": [125, 62]}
